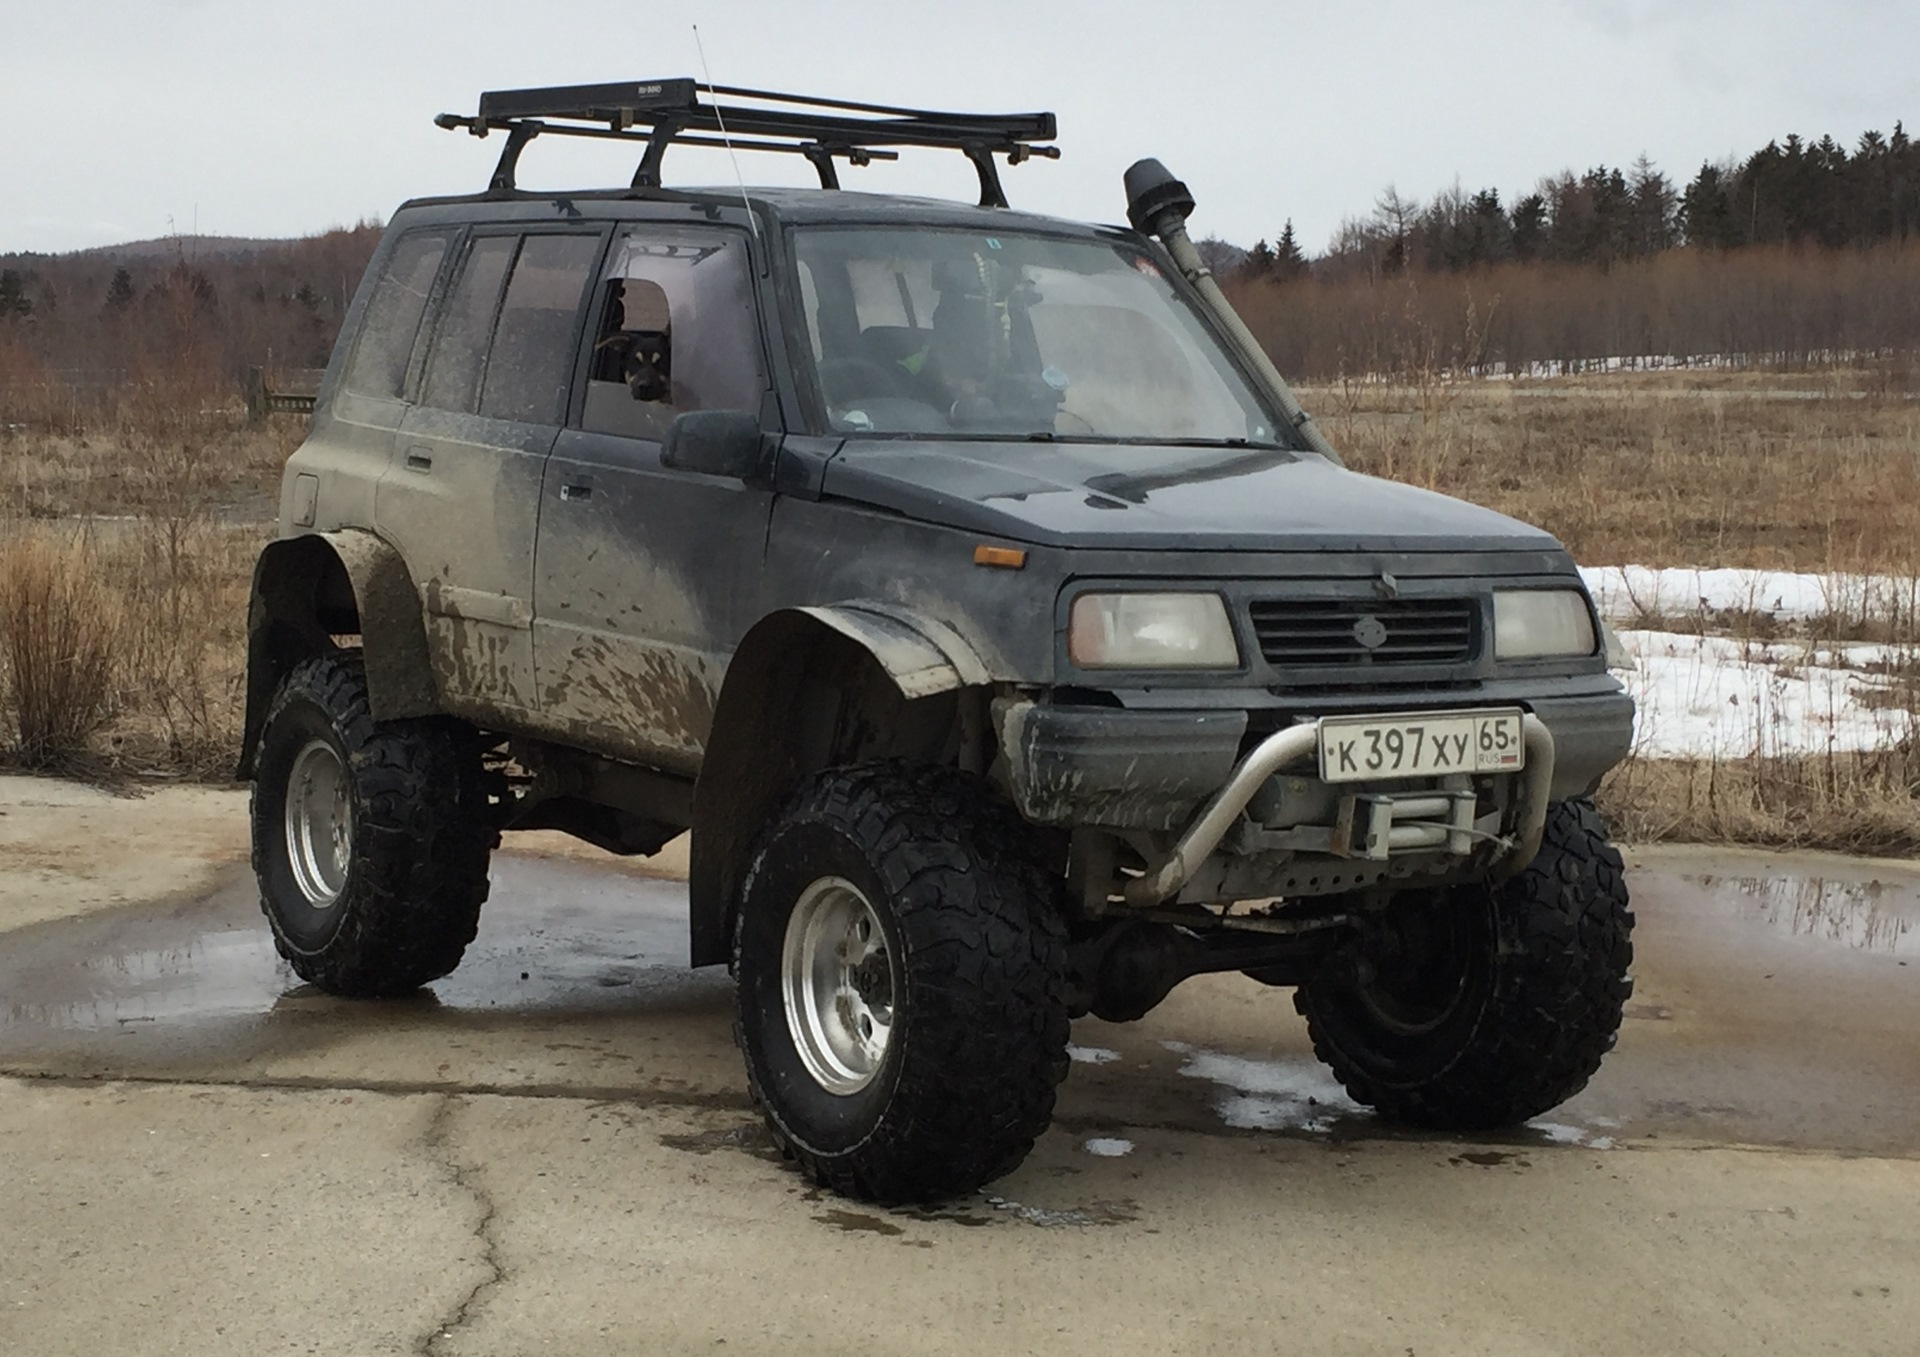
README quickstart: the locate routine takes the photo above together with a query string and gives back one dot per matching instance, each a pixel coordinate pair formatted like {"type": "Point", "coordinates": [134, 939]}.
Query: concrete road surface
{"type": "Point", "coordinates": [552, 1151]}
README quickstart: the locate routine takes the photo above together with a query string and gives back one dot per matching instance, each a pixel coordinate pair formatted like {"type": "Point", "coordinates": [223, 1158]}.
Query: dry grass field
{"type": "Point", "coordinates": [1813, 472]}
{"type": "Point", "coordinates": [1800, 471]}
{"type": "Point", "coordinates": [125, 556]}
{"type": "Point", "coordinates": [127, 551]}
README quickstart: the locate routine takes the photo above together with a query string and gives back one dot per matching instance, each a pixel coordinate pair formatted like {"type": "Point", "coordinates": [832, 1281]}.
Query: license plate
{"type": "Point", "coordinates": [1360, 748]}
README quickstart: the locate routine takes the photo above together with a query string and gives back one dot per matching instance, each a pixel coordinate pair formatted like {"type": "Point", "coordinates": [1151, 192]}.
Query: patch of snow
{"type": "Point", "coordinates": [1628, 593]}
{"type": "Point", "coordinates": [1091, 1055]}
{"type": "Point", "coordinates": [1269, 1095]}
{"type": "Point", "coordinates": [1714, 697]}
{"type": "Point", "coordinates": [1107, 1147]}
{"type": "Point", "coordinates": [1262, 1112]}
{"type": "Point", "coordinates": [1542, 368]}
{"type": "Point", "coordinates": [1561, 1134]}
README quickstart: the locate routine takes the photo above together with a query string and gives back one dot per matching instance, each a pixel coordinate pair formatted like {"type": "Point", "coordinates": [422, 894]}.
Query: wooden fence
{"type": "Point", "coordinates": [291, 393]}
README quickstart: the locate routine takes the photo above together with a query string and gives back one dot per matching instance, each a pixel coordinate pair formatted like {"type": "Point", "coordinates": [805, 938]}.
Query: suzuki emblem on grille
{"type": "Point", "coordinates": [1370, 632]}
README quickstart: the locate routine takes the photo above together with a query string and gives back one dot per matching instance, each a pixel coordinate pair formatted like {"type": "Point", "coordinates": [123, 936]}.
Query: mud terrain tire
{"type": "Point", "coordinates": [1480, 1007]}
{"type": "Point", "coordinates": [926, 875]}
{"type": "Point", "coordinates": [398, 833]}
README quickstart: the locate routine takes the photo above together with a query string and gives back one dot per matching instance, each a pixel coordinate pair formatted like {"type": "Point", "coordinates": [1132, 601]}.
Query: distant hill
{"type": "Point", "coordinates": [193, 311]}
{"type": "Point", "coordinates": [185, 247]}
{"type": "Point", "coordinates": [170, 249]}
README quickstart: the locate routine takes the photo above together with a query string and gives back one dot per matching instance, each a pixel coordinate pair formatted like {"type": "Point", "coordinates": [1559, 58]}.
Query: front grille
{"type": "Point", "coordinates": [1336, 632]}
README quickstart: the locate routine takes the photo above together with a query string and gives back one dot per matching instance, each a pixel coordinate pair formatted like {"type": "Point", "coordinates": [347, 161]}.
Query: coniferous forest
{"type": "Point", "coordinates": [1801, 253]}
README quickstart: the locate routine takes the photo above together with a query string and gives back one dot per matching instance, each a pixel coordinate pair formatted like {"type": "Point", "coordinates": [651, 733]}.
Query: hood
{"type": "Point", "coordinates": [1162, 498]}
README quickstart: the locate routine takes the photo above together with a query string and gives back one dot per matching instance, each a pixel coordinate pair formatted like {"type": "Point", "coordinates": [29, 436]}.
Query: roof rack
{"type": "Point", "coordinates": [659, 113]}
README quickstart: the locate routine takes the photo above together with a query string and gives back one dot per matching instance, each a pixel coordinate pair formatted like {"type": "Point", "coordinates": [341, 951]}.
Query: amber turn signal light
{"type": "Point", "coordinates": [1008, 558]}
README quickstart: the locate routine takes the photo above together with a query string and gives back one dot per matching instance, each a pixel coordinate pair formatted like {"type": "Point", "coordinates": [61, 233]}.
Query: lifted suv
{"type": "Point", "coordinates": [977, 594]}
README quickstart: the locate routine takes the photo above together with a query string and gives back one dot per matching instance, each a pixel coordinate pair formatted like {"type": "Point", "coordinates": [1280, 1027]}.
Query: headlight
{"type": "Point", "coordinates": [1151, 631]}
{"type": "Point", "coordinates": [1532, 624]}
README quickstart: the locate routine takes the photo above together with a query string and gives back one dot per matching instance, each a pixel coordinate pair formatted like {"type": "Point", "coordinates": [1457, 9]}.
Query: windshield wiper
{"type": "Point", "coordinates": [1232, 444]}
{"type": "Point", "coordinates": [1135, 488]}
{"type": "Point", "coordinates": [1218, 443]}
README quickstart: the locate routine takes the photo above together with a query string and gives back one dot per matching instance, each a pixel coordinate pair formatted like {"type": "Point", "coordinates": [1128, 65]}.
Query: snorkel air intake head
{"type": "Point", "coordinates": [1152, 194]}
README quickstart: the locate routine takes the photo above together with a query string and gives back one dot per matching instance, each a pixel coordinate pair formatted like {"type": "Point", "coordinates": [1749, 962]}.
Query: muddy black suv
{"type": "Point", "coordinates": [976, 593]}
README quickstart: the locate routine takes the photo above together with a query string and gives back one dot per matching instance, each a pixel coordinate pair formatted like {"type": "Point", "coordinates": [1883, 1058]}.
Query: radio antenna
{"type": "Point", "coordinates": [753, 222]}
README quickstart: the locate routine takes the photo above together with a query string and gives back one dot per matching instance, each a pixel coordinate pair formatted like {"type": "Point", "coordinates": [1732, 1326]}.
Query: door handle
{"type": "Point", "coordinates": [574, 491]}
{"type": "Point", "coordinates": [418, 459]}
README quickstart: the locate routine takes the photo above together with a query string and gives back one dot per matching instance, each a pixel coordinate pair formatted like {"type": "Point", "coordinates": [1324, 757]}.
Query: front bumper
{"type": "Point", "coordinates": [1293, 746]}
{"type": "Point", "coordinates": [1182, 782]}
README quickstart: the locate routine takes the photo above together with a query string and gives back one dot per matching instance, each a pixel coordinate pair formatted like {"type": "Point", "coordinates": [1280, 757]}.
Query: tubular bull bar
{"type": "Point", "coordinates": [1393, 822]}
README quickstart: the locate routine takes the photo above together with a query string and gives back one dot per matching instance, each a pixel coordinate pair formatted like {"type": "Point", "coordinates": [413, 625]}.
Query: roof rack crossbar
{"type": "Point", "coordinates": [662, 112]}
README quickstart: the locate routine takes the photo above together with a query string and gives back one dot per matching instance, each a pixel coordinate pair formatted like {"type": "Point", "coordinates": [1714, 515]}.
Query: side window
{"type": "Point", "coordinates": [392, 319]}
{"type": "Point", "coordinates": [466, 324]}
{"type": "Point", "coordinates": [533, 345]}
{"type": "Point", "coordinates": [677, 332]}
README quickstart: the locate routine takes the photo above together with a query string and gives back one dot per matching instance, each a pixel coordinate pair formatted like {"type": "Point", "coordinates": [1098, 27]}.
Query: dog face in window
{"type": "Point", "coordinates": [636, 344]}
{"type": "Point", "coordinates": [647, 365]}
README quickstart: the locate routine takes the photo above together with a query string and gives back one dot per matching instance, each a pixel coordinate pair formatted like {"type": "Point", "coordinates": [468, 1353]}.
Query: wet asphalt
{"type": "Point", "coordinates": [552, 1151]}
{"type": "Point", "coordinates": [1777, 1004]}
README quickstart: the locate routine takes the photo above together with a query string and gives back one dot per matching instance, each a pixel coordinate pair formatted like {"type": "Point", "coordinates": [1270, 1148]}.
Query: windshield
{"type": "Point", "coordinates": [951, 332]}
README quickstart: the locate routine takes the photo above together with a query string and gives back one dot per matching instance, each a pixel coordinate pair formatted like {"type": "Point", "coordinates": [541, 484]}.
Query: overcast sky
{"type": "Point", "coordinates": [127, 120]}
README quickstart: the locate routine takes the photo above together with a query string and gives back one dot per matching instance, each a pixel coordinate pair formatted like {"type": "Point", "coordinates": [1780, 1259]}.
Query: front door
{"type": "Point", "coordinates": [645, 577]}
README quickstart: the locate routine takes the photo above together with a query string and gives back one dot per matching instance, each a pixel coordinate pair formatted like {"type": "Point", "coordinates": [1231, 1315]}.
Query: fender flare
{"type": "Point", "coordinates": [922, 656]}
{"type": "Point", "coordinates": [766, 731]}
{"type": "Point", "coordinates": [309, 588]}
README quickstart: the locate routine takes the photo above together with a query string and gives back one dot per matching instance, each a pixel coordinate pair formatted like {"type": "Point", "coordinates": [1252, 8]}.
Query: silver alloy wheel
{"type": "Point", "coordinates": [837, 980]}
{"type": "Point", "coordinates": [319, 815]}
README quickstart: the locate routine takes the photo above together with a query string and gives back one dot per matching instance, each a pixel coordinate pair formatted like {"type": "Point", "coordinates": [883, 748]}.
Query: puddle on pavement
{"type": "Point", "coordinates": [210, 975]}
{"type": "Point", "coordinates": [857, 1222]}
{"type": "Point", "coordinates": [747, 1138]}
{"type": "Point", "coordinates": [1772, 1009]}
{"type": "Point", "coordinates": [1488, 1159]}
{"type": "Point", "coordinates": [1871, 916]}
{"type": "Point", "coordinates": [1302, 1097]}
{"type": "Point", "coordinates": [557, 938]}
{"type": "Point", "coordinates": [1123, 1212]}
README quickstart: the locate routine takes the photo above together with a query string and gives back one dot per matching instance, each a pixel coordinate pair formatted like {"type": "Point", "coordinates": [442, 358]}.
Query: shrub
{"type": "Point", "coordinates": [58, 630]}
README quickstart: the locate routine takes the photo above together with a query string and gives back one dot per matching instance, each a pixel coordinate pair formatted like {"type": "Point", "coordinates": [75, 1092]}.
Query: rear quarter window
{"type": "Point", "coordinates": [391, 322]}
{"type": "Point", "coordinates": [466, 325]}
